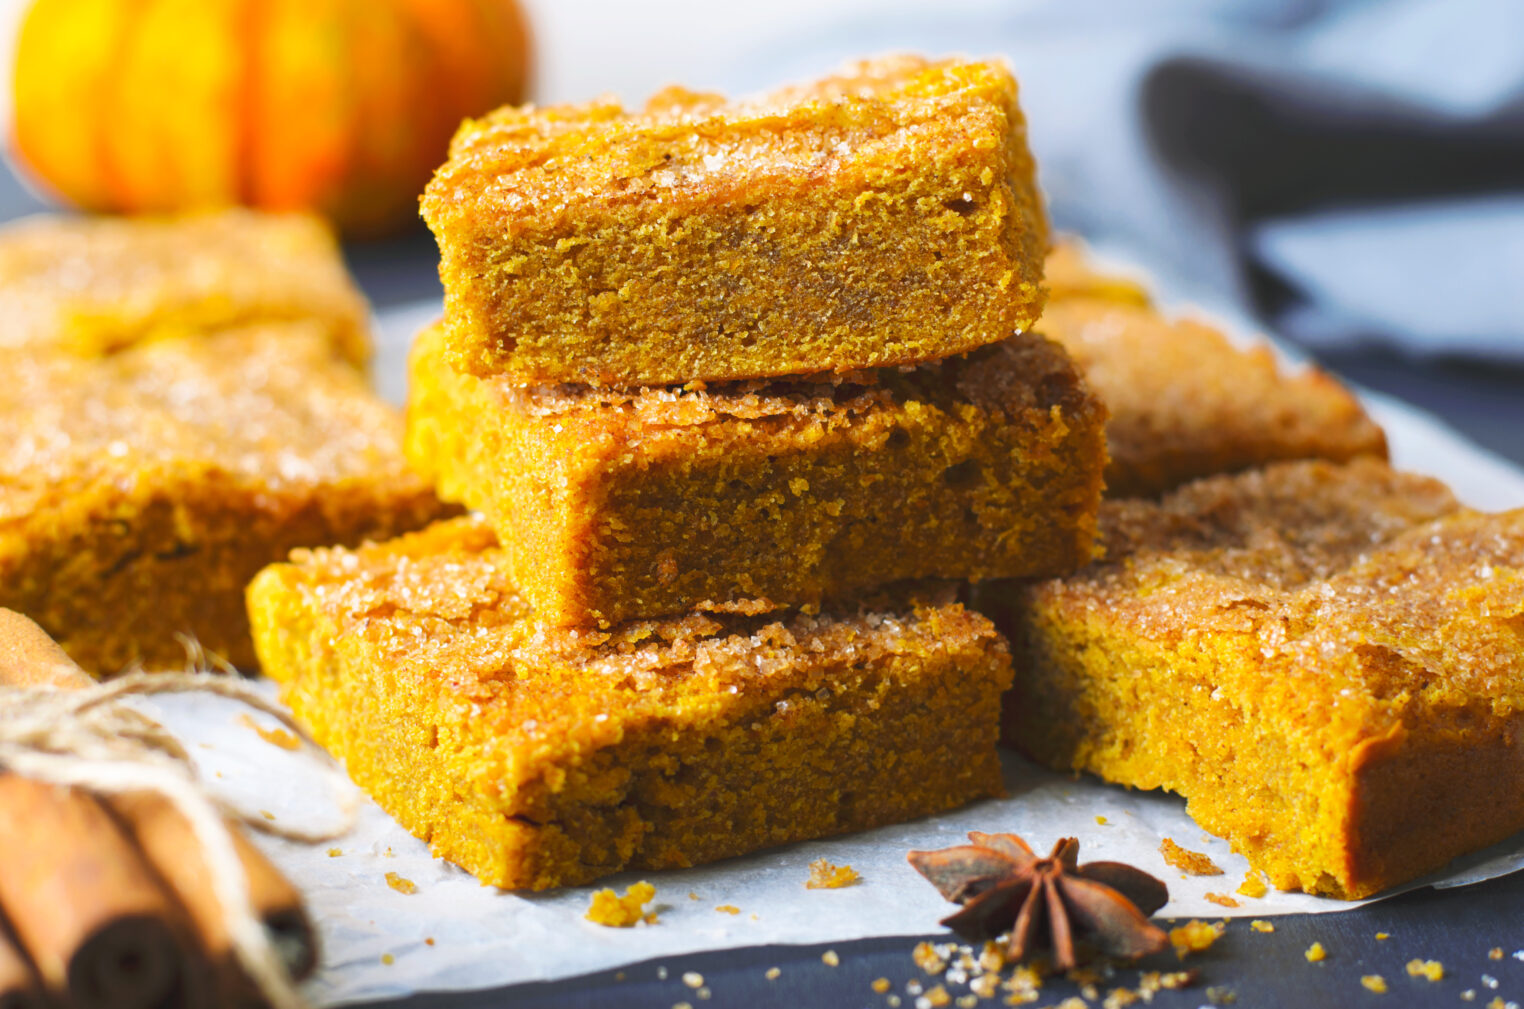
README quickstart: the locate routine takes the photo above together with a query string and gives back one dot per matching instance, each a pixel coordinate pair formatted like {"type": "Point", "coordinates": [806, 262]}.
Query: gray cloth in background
{"type": "Point", "coordinates": [1353, 171]}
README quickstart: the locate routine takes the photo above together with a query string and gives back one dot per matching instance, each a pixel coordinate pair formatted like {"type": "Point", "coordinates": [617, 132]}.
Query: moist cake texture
{"type": "Point", "coordinates": [640, 503]}
{"type": "Point", "coordinates": [140, 492]}
{"type": "Point", "coordinates": [1185, 402]}
{"type": "Point", "coordinates": [1324, 660]}
{"type": "Point", "coordinates": [536, 757]}
{"type": "Point", "coordinates": [885, 216]}
{"type": "Point", "coordinates": [93, 285]}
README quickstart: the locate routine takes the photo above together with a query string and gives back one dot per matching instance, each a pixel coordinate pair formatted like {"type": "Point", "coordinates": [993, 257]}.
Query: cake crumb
{"type": "Point", "coordinates": [1261, 925]}
{"type": "Point", "coordinates": [335, 852]}
{"type": "Point", "coordinates": [772, 973]}
{"type": "Point", "coordinates": [825, 876]}
{"type": "Point", "coordinates": [1194, 936]}
{"type": "Point", "coordinates": [1383, 936]}
{"type": "Point", "coordinates": [267, 814]}
{"type": "Point", "coordinates": [1222, 900]}
{"type": "Point", "coordinates": [829, 958]}
{"type": "Point", "coordinates": [1374, 982]}
{"type": "Point", "coordinates": [1221, 995]}
{"type": "Point", "coordinates": [1315, 952]}
{"type": "Point", "coordinates": [935, 999]}
{"type": "Point", "coordinates": [1102, 820]}
{"type": "Point", "coordinates": [608, 908]}
{"type": "Point", "coordinates": [892, 1001]}
{"type": "Point", "coordinates": [1431, 969]}
{"type": "Point", "coordinates": [1469, 995]}
{"type": "Point", "coordinates": [1193, 862]}
{"type": "Point", "coordinates": [968, 1001]}
{"type": "Point", "coordinates": [682, 1005]}
{"type": "Point", "coordinates": [1253, 885]}
{"type": "Point", "coordinates": [927, 958]}
{"type": "Point", "coordinates": [1489, 981]}
{"type": "Point", "coordinates": [388, 959]}
{"type": "Point", "coordinates": [728, 909]}
{"type": "Point", "coordinates": [400, 883]}
{"type": "Point", "coordinates": [277, 736]}
{"type": "Point", "coordinates": [703, 993]}
{"type": "Point", "coordinates": [693, 979]}
{"type": "Point", "coordinates": [881, 985]}
{"type": "Point", "coordinates": [429, 941]}
{"type": "Point", "coordinates": [1495, 953]}
{"type": "Point", "coordinates": [692, 895]}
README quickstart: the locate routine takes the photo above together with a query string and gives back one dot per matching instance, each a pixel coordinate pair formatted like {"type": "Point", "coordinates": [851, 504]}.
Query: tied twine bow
{"type": "Point", "coordinates": [89, 739]}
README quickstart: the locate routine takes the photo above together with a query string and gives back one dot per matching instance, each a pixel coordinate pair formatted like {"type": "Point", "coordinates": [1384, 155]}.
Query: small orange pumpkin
{"type": "Point", "coordinates": [339, 106]}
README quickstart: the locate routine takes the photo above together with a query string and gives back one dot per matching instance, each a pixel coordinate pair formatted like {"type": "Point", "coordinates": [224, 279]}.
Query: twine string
{"type": "Point", "coordinates": [91, 740]}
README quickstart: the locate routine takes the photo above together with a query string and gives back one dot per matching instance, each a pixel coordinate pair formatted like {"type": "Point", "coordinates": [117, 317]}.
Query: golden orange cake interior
{"type": "Point", "coordinates": [94, 285]}
{"type": "Point", "coordinates": [1324, 660]}
{"type": "Point", "coordinates": [619, 504]}
{"type": "Point", "coordinates": [885, 216]}
{"type": "Point", "coordinates": [139, 492]}
{"type": "Point", "coordinates": [536, 757]}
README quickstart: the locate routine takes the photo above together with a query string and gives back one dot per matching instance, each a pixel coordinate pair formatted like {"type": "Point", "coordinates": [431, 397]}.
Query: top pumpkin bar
{"type": "Point", "coordinates": [882, 217]}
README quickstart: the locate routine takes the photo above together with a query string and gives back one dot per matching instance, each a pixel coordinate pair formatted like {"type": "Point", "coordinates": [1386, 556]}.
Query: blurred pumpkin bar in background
{"type": "Point", "coordinates": [97, 285]}
{"type": "Point", "coordinates": [342, 107]}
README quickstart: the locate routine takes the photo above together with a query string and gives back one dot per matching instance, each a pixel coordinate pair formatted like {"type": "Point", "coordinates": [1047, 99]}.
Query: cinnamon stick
{"type": "Point", "coordinates": [18, 985]}
{"type": "Point", "coordinates": [85, 906]}
{"type": "Point", "coordinates": [29, 657]}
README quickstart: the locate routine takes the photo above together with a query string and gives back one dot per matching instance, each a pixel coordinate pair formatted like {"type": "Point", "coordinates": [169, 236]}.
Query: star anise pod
{"type": "Point", "coordinates": [1054, 901]}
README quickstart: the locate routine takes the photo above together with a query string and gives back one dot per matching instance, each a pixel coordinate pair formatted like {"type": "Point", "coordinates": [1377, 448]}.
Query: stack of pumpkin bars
{"type": "Point", "coordinates": [746, 397]}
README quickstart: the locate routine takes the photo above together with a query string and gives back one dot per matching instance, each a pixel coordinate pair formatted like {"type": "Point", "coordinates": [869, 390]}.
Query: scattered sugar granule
{"type": "Point", "coordinates": [1253, 885]}
{"type": "Point", "coordinates": [703, 993]}
{"type": "Point", "coordinates": [1489, 981]}
{"type": "Point", "coordinates": [608, 908]}
{"type": "Point", "coordinates": [1518, 954]}
{"type": "Point", "coordinates": [335, 852]}
{"type": "Point", "coordinates": [682, 1005]}
{"type": "Point", "coordinates": [892, 1001]}
{"type": "Point", "coordinates": [661, 972]}
{"type": "Point", "coordinates": [772, 973]}
{"type": "Point", "coordinates": [825, 876]}
{"type": "Point", "coordinates": [1374, 982]}
{"type": "Point", "coordinates": [1193, 862]}
{"type": "Point", "coordinates": [277, 736]}
{"type": "Point", "coordinates": [1469, 995]}
{"type": "Point", "coordinates": [1194, 936]}
{"type": "Point", "coordinates": [829, 958]}
{"type": "Point", "coordinates": [1118, 998]}
{"type": "Point", "coordinates": [728, 909]}
{"type": "Point", "coordinates": [1260, 925]}
{"type": "Point", "coordinates": [881, 985]}
{"type": "Point", "coordinates": [935, 999]}
{"type": "Point", "coordinates": [1431, 969]}
{"type": "Point", "coordinates": [985, 985]}
{"type": "Point", "coordinates": [968, 1001]}
{"type": "Point", "coordinates": [401, 884]}
{"type": "Point", "coordinates": [1315, 952]}
{"type": "Point", "coordinates": [267, 814]}
{"type": "Point", "coordinates": [1221, 900]}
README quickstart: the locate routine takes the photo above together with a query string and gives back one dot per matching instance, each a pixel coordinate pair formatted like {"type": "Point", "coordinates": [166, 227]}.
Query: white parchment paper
{"type": "Point", "coordinates": [482, 938]}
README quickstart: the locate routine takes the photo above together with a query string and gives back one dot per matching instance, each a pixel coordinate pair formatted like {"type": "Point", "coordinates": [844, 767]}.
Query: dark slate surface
{"type": "Point", "coordinates": [1456, 927]}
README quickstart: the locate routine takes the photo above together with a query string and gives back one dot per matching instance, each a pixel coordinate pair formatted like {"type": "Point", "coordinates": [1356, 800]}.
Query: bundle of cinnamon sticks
{"type": "Point", "coordinates": [108, 903]}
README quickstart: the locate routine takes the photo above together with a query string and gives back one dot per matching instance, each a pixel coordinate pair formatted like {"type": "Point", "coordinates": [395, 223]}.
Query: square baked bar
{"type": "Point", "coordinates": [140, 492]}
{"type": "Point", "coordinates": [535, 757]}
{"type": "Point", "coordinates": [617, 505]}
{"type": "Point", "coordinates": [1185, 401]}
{"type": "Point", "coordinates": [885, 216]}
{"type": "Point", "coordinates": [1326, 661]}
{"type": "Point", "coordinates": [93, 285]}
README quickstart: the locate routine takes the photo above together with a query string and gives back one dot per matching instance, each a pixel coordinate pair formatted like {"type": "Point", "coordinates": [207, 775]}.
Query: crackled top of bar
{"type": "Point", "coordinates": [94, 285]}
{"type": "Point", "coordinates": [531, 164]}
{"type": "Point", "coordinates": [1023, 373]}
{"type": "Point", "coordinates": [438, 605]}
{"type": "Point", "coordinates": [270, 406]}
{"type": "Point", "coordinates": [1367, 588]}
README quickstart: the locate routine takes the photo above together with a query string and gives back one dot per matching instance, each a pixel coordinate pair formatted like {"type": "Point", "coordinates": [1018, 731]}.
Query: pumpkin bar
{"type": "Point", "coordinates": [1185, 401]}
{"type": "Point", "coordinates": [1326, 661]}
{"type": "Point", "coordinates": [619, 504]}
{"type": "Point", "coordinates": [885, 216]}
{"type": "Point", "coordinates": [140, 492]}
{"type": "Point", "coordinates": [535, 757]}
{"type": "Point", "coordinates": [93, 285]}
